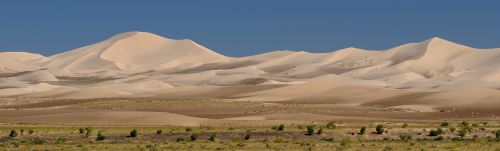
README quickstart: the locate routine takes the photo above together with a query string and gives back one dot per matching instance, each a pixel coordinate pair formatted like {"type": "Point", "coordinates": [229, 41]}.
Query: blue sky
{"type": "Point", "coordinates": [240, 28]}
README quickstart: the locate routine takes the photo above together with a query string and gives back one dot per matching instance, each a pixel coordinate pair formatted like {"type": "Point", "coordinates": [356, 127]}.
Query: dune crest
{"type": "Point", "coordinates": [140, 64]}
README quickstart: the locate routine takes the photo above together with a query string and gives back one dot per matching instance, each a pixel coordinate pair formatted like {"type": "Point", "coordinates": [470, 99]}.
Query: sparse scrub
{"type": "Point", "coordinates": [31, 131]}
{"type": "Point", "coordinates": [247, 136]}
{"type": "Point", "coordinates": [405, 137]}
{"type": "Point", "coordinates": [379, 129]}
{"type": "Point", "coordinates": [133, 133]}
{"type": "Point", "coordinates": [281, 127]}
{"type": "Point", "coordinates": [159, 131]}
{"type": "Point", "coordinates": [320, 131]}
{"type": "Point", "coordinates": [310, 130]}
{"type": "Point", "coordinates": [497, 134]}
{"type": "Point", "coordinates": [212, 137]}
{"type": "Point", "coordinates": [362, 130]}
{"type": "Point", "coordinates": [444, 124]}
{"type": "Point", "coordinates": [437, 132]}
{"type": "Point", "coordinates": [13, 134]}
{"type": "Point", "coordinates": [405, 125]}
{"type": "Point", "coordinates": [331, 125]}
{"type": "Point", "coordinates": [194, 136]}
{"type": "Point", "coordinates": [188, 129]}
{"type": "Point", "coordinates": [100, 136]}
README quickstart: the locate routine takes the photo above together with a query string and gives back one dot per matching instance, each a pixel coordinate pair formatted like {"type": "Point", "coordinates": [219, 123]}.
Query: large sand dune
{"type": "Point", "coordinates": [434, 73]}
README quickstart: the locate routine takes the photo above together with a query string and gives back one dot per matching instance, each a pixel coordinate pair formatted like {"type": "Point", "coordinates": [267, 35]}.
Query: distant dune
{"type": "Point", "coordinates": [426, 75]}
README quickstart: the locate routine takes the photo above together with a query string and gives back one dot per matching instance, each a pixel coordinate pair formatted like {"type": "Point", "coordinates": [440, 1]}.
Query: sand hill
{"type": "Point", "coordinates": [139, 64]}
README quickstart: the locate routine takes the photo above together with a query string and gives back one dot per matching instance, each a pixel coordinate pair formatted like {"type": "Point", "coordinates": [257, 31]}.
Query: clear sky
{"type": "Point", "coordinates": [245, 27]}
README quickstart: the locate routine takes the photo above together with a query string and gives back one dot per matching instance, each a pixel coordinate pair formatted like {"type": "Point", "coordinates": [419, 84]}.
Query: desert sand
{"type": "Point", "coordinates": [430, 80]}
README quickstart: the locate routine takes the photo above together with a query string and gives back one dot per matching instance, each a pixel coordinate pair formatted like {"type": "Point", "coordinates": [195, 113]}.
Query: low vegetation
{"type": "Point", "coordinates": [317, 137]}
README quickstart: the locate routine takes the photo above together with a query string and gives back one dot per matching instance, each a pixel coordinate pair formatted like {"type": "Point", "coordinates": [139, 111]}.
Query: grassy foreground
{"type": "Point", "coordinates": [327, 136]}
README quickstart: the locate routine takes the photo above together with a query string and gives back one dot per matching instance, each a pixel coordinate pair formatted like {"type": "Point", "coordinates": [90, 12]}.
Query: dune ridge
{"type": "Point", "coordinates": [140, 64]}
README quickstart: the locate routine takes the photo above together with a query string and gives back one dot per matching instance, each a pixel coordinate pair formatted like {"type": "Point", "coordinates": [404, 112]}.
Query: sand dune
{"type": "Point", "coordinates": [139, 64]}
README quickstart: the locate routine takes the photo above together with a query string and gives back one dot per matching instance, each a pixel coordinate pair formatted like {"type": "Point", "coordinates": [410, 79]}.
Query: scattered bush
{"type": "Point", "coordinates": [133, 133]}
{"type": "Point", "coordinates": [346, 142]}
{"type": "Point", "coordinates": [179, 140]}
{"type": "Point", "coordinates": [475, 138]}
{"type": "Point", "coordinates": [212, 137]}
{"type": "Point", "coordinates": [281, 127]}
{"type": "Point", "coordinates": [452, 129]}
{"type": "Point", "coordinates": [404, 125]}
{"type": "Point", "coordinates": [81, 130]}
{"type": "Point", "coordinates": [331, 125]}
{"type": "Point", "coordinates": [61, 140]}
{"type": "Point", "coordinates": [100, 136]}
{"type": "Point", "coordinates": [38, 141]}
{"type": "Point", "coordinates": [379, 129]}
{"type": "Point", "coordinates": [31, 131]}
{"type": "Point", "coordinates": [310, 130]}
{"type": "Point", "coordinates": [462, 132]}
{"type": "Point", "coordinates": [300, 127]}
{"type": "Point", "coordinates": [463, 124]}
{"type": "Point", "coordinates": [275, 128]}
{"type": "Point", "coordinates": [194, 136]}
{"type": "Point", "coordinates": [188, 129]}
{"type": "Point", "coordinates": [247, 136]}
{"type": "Point", "coordinates": [362, 130]}
{"type": "Point", "coordinates": [88, 131]}
{"type": "Point", "coordinates": [497, 134]}
{"type": "Point", "coordinates": [13, 133]}
{"type": "Point", "coordinates": [444, 124]}
{"type": "Point", "coordinates": [320, 131]}
{"type": "Point", "coordinates": [405, 137]}
{"type": "Point", "coordinates": [159, 131]}
{"type": "Point", "coordinates": [437, 132]}
{"type": "Point", "coordinates": [22, 131]}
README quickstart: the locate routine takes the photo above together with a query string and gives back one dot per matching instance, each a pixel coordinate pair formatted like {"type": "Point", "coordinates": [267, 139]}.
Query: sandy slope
{"type": "Point", "coordinates": [139, 64]}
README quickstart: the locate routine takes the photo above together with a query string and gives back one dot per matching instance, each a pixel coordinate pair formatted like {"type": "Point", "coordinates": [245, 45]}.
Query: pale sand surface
{"type": "Point", "coordinates": [431, 76]}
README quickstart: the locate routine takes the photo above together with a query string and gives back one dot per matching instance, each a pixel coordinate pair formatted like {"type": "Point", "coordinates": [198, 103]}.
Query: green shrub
{"type": "Point", "coordinates": [81, 130]}
{"type": "Point", "coordinates": [61, 140]}
{"type": "Point", "coordinates": [331, 125]}
{"type": "Point", "coordinates": [180, 139]}
{"type": "Point", "coordinates": [275, 128]}
{"type": "Point", "coordinates": [310, 130]}
{"type": "Point", "coordinates": [194, 136]}
{"type": "Point", "coordinates": [38, 140]}
{"type": "Point", "coordinates": [497, 134]}
{"type": "Point", "coordinates": [346, 142]}
{"type": "Point", "coordinates": [405, 137]}
{"type": "Point", "coordinates": [404, 125]}
{"type": "Point", "coordinates": [444, 124]}
{"type": "Point", "coordinates": [462, 132]}
{"type": "Point", "coordinates": [281, 127]}
{"type": "Point", "coordinates": [133, 133]}
{"type": "Point", "coordinates": [362, 130]}
{"type": "Point", "coordinates": [320, 131]}
{"type": "Point", "coordinates": [437, 132]}
{"type": "Point", "coordinates": [100, 136]}
{"type": "Point", "coordinates": [463, 124]}
{"type": "Point", "coordinates": [188, 129]}
{"type": "Point", "coordinates": [31, 131]}
{"type": "Point", "coordinates": [212, 137]}
{"type": "Point", "coordinates": [247, 136]}
{"type": "Point", "coordinates": [159, 131]}
{"type": "Point", "coordinates": [379, 129]}
{"type": "Point", "coordinates": [88, 131]}
{"type": "Point", "coordinates": [22, 131]}
{"type": "Point", "coordinates": [13, 133]}
{"type": "Point", "coordinates": [452, 129]}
